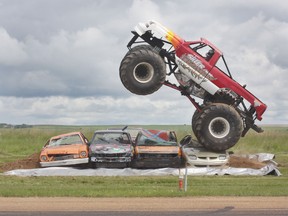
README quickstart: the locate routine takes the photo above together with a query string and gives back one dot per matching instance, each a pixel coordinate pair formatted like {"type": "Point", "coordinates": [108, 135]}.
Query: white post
{"type": "Point", "coordinates": [185, 178]}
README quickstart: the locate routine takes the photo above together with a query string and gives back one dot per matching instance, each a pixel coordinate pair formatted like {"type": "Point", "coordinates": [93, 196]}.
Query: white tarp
{"type": "Point", "coordinates": [70, 171]}
{"type": "Point", "coordinates": [269, 169]}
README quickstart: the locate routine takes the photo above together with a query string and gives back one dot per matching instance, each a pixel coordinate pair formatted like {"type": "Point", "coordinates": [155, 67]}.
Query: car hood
{"type": "Point", "coordinates": [202, 152]}
{"type": "Point", "coordinates": [64, 149]}
{"type": "Point", "coordinates": [109, 148]}
{"type": "Point", "coordinates": [158, 149]}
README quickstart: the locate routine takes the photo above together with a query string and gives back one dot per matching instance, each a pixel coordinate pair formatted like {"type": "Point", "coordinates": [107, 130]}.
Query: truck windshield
{"type": "Point", "coordinates": [221, 65]}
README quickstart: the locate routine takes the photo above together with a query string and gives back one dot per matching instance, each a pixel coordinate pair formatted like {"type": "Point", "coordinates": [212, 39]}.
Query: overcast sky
{"type": "Point", "coordinates": [59, 59]}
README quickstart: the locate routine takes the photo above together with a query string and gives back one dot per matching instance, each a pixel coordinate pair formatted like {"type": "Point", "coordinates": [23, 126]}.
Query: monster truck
{"type": "Point", "coordinates": [227, 110]}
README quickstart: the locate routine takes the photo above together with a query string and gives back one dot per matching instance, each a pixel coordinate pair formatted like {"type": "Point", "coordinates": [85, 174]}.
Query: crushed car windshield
{"type": "Point", "coordinates": [110, 138]}
{"type": "Point", "coordinates": [145, 141]}
{"type": "Point", "coordinates": [66, 140]}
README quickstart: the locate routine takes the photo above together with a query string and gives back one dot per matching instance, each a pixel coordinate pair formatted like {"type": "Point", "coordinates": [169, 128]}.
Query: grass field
{"type": "Point", "coordinates": [20, 143]}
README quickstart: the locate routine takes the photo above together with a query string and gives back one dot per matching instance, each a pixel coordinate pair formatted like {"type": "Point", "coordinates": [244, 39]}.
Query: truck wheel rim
{"type": "Point", "coordinates": [143, 72]}
{"type": "Point", "coordinates": [219, 127]}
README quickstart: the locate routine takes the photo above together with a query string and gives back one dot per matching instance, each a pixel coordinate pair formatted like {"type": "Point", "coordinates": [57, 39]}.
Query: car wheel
{"type": "Point", "coordinates": [142, 70]}
{"type": "Point", "coordinates": [218, 127]}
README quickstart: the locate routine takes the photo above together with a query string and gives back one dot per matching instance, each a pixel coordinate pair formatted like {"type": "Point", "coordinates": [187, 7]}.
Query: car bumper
{"type": "Point", "coordinates": [64, 162]}
{"type": "Point", "coordinates": [204, 158]}
{"type": "Point", "coordinates": [206, 163]}
{"type": "Point", "coordinates": [156, 163]}
{"type": "Point", "coordinates": [110, 159]}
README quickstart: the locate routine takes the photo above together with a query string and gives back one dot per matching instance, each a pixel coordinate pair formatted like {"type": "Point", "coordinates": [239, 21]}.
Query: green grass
{"type": "Point", "coordinates": [19, 143]}
{"type": "Point", "coordinates": [167, 186]}
{"type": "Point", "coordinates": [273, 140]}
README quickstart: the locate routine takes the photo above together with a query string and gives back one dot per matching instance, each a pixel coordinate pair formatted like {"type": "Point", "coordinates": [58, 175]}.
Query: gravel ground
{"type": "Point", "coordinates": [141, 204]}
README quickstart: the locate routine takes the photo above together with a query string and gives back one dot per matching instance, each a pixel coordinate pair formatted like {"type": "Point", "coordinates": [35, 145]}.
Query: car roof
{"type": "Point", "coordinates": [111, 131]}
{"type": "Point", "coordinates": [67, 134]}
{"type": "Point", "coordinates": [204, 40]}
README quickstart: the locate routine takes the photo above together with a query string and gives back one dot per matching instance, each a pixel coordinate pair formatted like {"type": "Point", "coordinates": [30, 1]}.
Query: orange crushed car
{"type": "Point", "coordinates": [65, 149]}
{"type": "Point", "coordinates": [157, 149]}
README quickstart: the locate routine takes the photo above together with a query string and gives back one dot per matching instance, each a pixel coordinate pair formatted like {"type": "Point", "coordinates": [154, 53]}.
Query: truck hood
{"type": "Point", "coordinates": [158, 149]}
{"type": "Point", "coordinates": [110, 148]}
{"type": "Point", "coordinates": [64, 149]}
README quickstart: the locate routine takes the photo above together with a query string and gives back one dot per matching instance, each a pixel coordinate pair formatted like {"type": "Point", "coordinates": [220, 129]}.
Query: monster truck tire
{"type": "Point", "coordinates": [142, 70]}
{"type": "Point", "coordinates": [194, 118]}
{"type": "Point", "coordinates": [218, 127]}
{"type": "Point", "coordinates": [133, 49]}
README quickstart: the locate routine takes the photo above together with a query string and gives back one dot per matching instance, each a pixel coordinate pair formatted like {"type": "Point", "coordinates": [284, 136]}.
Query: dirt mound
{"type": "Point", "coordinates": [30, 162]}
{"type": "Point", "coordinates": [244, 162]}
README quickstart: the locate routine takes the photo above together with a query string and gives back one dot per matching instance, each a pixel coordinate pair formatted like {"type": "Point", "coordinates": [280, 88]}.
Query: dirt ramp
{"type": "Point", "coordinates": [30, 162]}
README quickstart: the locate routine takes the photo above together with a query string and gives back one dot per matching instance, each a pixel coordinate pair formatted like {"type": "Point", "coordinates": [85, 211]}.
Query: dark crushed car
{"type": "Point", "coordinates": [111, 148]}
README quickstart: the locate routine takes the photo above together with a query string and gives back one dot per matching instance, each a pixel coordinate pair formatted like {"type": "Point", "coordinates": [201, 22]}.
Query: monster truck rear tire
{"type": "Point", "coordinates": [142, 70]}
{"type": "Point", "coordinates": [218, 127]}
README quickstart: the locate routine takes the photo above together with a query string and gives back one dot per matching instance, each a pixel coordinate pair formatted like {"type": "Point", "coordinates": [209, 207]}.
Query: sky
{"type": "Point", "coordinates": [59, 59]}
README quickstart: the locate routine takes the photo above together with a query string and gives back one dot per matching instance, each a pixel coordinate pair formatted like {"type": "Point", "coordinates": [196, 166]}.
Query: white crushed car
{"type": "Point", "coordinates": [198, 156]}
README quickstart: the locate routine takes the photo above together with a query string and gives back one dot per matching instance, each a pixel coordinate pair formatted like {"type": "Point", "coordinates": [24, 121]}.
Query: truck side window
{"type": "Point", "coordinates": [203, 50]}
{"type": "Point", "coordinates": [209, 54]}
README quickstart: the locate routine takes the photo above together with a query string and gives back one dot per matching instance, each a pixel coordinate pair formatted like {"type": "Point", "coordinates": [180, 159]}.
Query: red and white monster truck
{"type": "Point", "coordinates": [219, 122]}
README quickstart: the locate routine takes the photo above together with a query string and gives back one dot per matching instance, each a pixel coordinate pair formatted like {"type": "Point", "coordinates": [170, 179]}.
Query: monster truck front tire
{"type": "Point", "coordinates": [218, 127]}
{"type": "Point", "coordinates": [142, 70]}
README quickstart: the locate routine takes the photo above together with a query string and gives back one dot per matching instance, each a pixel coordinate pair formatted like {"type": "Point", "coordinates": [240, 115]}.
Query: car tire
{"type": "Point", "coordinates": [218, 127]}
{"type": "Point", "coordinates": [142, 70]}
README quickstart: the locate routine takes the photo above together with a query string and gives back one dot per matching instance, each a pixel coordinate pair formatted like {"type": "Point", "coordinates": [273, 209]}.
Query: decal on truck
{"type": "Point", "coordinates": [196, 76]}
{"type": "Point", "coordinates": [197, 65]}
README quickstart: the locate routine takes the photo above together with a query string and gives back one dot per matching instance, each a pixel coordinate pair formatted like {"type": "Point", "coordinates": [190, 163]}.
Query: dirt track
{"type": "Point", "coordinates": [141, 204]}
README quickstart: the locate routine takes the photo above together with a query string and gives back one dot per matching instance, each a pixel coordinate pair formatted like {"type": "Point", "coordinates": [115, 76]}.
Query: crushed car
{"type": "Point", "coordinates": [65, 150]}
{"type": "Point", "coordinates": [111, 148]}
{"type": "Point", "coordinates": [201, 157]}
{"type": "Point", "coordinates": [157, 149]}
{"type": "Point", "coordinates": [197, 156]}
